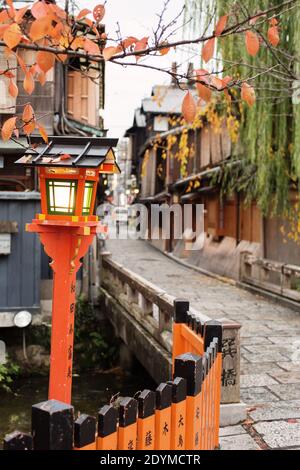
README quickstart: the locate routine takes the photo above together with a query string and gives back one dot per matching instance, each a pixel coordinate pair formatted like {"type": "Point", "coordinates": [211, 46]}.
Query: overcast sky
{"type": "Point", "coordinates": [125, 87]}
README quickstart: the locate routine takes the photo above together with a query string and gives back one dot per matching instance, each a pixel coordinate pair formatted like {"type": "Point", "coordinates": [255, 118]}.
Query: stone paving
{"type": "Point", "coordinates": [270, 351]}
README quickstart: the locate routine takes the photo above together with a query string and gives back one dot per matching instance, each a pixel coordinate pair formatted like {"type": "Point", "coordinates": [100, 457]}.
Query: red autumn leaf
{"type": "Point", "coordinates": [99, 13]}
{"type": "Point", "coordinates": [189, 108]}
{"type": "Point", "coordinates": [141, 45]}
{"type": "Point", "coordinates": [65, 156]}
{"type": "Point", "coordinates": [208, 50]}
{"type": "Point", "coordinates": [248, 94]}
{"type": "Point", "coordinates": [28, 83]}
{"type": "Point", "coordinates": [40, 28]}
{"type": "Point", "coordinates": [8, 128]}
{"type": "Point", "coordinates": [9, 74]}
{"type": "Point", "coordinates": [13, 89]}
{"type": "Point", "coordinates": [39, 10]}
{"type": "Point", "coordinates": [252, 43]}
{"type": "Point", "coordinates": [83, 13]}
{"type": "Point", "coordinates": [273, 36]}
{"type": "Point", "coordinates": [204, 92]}
{"type": "Point", "coordinates": [273, 22]}
{"type": "Point", "coordinates": [12, 35]}
{"type": "Point", "coordinates": [43, 133]}
{"type": "Point", "coordinates": [45, 60]}
{"type": "Point", "coordinates": [109, 52]}
{"type": "Point", "coordinates": [221, 25]}
{"type": "Point", "coordinates": [91, 47]}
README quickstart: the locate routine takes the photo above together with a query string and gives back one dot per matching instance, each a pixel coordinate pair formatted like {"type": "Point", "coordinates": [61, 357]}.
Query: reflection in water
{"type": "Point", "coordinates": [90, 392]}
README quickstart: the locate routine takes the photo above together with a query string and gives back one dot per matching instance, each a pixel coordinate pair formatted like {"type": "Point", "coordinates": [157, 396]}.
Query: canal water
{"type": "Point", "coordinates": [90, 392]}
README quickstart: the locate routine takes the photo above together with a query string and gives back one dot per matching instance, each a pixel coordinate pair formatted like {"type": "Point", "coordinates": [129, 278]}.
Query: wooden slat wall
{"type": "Point", "coordinates": [82, 98]}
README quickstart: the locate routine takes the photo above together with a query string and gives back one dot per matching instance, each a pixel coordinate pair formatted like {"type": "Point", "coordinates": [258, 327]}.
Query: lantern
{"type": "Point", "coordinates": [68, 169]}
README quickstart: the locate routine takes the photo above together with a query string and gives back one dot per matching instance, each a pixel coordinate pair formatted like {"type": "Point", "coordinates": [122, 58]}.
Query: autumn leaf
{"type": "Point", "coordinates": [273, 36]}
{"type": "Point", "coordinates": [273, 22]}
{"type": "Point", "coordinates": [109, 52]}
{"type": "Point", "coordinates": [39, 10]}
{"type": "Point", "coordinates": [8, 128]}
{"type": "Point", "coordinates": [28, 113]}
{"type": "Point", "coordinates": [203, 75]}
{"type": "Point", "coordinates": [165, 50]}
{"type": "Point", "coordinates": [217, 83]}
{"type": "Point", "coordinates": [91, 47]}
{"type": "Point", "coordinates": [221, 25]}
{"type": "Point", "coordinates": [40, 28]}
{"type": "Point", "coordinates": [208, 50]}
{"type": "Point", "coordinates": [83, 13]}
{"type": "Point", "coordinates": [45, 60]}
{"type": "Point", "coordinates": [141, 45]}
{"type": "Point", "coordinates": [20, 13]}
{"type": "Point", "coordinates": [128, 42]}
{"type": "Point", "coordinates": [99, 13]}
{"type": "Point", "coordinates": [65, 156]}
{"type": "Point", "coordinates": [28, 83]}
{"type": "Point", "coordinates": [42, 78]}
{"type": "Point", "coordinates": [43, 133]}
{"type": "Point", "coordinates": [4, 16]}
{"type": "Point", "coordinates": [204, 92]}
{"type": "Point", "coordinates": [252, 43]}
{"type": "Point", "coordinates": [248, 94]}
{"type": "Point", "coordinates": [13, 89]}
{"type": "Point", "coordinates": [189, 108]}
{"type": "Point", "coordinates": [21, 63]}
{"type": "Point", "coordinates": [12, 35]}
{"type": "Point", "coordinates": [78, 43]}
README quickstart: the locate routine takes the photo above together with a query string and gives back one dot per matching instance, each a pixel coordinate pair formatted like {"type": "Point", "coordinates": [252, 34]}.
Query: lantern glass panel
{"type": "Point", "coordinates": [61, 196]}
{"type": "Point", "coordinates": [87, 197]}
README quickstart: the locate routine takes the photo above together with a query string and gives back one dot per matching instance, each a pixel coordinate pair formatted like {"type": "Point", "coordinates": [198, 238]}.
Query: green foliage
{"type": "Point", "coordinates": [93, 343]}
{"type": "Point", "coordinates": [7, 373]}
{"type": "Point", "coordinates": [269, 143]}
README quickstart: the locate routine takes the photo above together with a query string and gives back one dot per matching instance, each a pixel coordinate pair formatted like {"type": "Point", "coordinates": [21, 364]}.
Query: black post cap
{"type": "Point", "coordinates": [52, 425]}
{"type": "Point", "coordinates": [84, 431]}
{"type": "Point", "coordinates": [163, 396]}
{"type": "Point", "coordinates": [18, 441]}
{"type": "Point", "coordinates": [189, 366]}
{"type": "Point", "coordinates": [178, 389]}
{"type": "Point", "coordinates": [181, 307]}
{"type": "Point", "coordinates": [107, 421]}
{"type": "Point", "coordinates": [146, 404]}
{"type": "Point", "coordinates": [213, 329]}
{"type": "Point", "coordinates": [127, 412]}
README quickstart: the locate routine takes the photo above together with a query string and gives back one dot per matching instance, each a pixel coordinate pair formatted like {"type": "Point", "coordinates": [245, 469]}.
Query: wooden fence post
{"type": "Point", "coordinates": [146, 420]}
{"type": "Point", "coordinates": [52, 426]}
{"type": "Point", "coordinates": [85, 433]}
{"type": "Point", "coordinates": [163, 417]}
{"type": "Point", "coordinates": [127, 432]}
{"type": "Point", "coordinates": [189, 366]}
{"type": "Point", "coordinates": [18, 441]}
{"type": "Point", "coordinates": [107, 428]}
{"type": "Point", "coordinates": [178, 413]}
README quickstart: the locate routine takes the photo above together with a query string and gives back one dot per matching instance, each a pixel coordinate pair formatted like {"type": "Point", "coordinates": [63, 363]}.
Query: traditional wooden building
{"type": "Point", "coordinates": [186, 165]}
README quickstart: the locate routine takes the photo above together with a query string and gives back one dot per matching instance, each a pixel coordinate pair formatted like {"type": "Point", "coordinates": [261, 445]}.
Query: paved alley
{"type": "Point", "coordinates": [270, 350]}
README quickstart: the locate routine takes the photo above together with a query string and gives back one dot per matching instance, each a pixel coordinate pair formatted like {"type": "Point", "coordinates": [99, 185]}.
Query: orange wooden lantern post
{"type": "Point", "coordinates": [68, 173]}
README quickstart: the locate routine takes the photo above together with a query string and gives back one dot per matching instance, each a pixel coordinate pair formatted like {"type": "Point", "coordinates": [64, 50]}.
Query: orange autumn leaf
{"type": "Point", "coordinates": [128, 42]}
{"type": "Point", "coordinates": [42, 78]}
{"type": "Point", "coordinates": [13, 89]}
{"type": "Point", "coordinates": [40, 28]}
{"type": "Point", "coordinates": [109, 52]}
{"type": "Point", "coordinates": [217, 83]}
{"type": "Point", "coordinates": [65, 156]}
{"type": "Point", "coordinates": [20, 14]}
{"type": "Point", "coordinates": [12, 35]}
{"type": "Point", "coordinates": [28, 113]}
{"type": "Point", "coordinates": [4, 16]}
{"type": "Point", "coordinates": [99, 13]}
{"type": "Point", "coordinates": [28, 83]}
{"type": "Point", "coordinates": [141, 45]}
{"type": "Point", "coordinates": [39, 10]}
{"type": "Point", "coordinates": [208, 50]}
{"type": "Point", "coordinates": [189, 108]}
{"type": "Point", "coordinates": [273, 36]}
{"type": "Point", "coordinates": [21, 63]}
{"type": "Point", "coordinates": [221, 25]}
{"type": "Point", "coordinates": [252, 43]}
{"type": "Point", "coordinates": [45, 60]}
{"type": "Point", "coordinates": [83, 13]}
{"type": "Point", "coordinates": [248, 94]}
{"type": "Point", "coordinates": [78, 43]}
{"type": "Point", "coordinates": [273, 22]}
{"type": "Point", "coordinates": [8, 128]}
{"type": "Point", "coordinates": [165, 50]}
{"type": "Point", "coordinates": [43, 133]}
{"type": "Point", "coordinates": [204, 92]}
{"type": "Point", "coordinates": [91, 47]}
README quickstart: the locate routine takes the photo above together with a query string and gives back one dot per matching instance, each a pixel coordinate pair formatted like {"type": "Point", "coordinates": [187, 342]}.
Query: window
{"type": "Point", "coordinates": [87, 198]}
{"type": "Point", "coordinates": [61, 196]}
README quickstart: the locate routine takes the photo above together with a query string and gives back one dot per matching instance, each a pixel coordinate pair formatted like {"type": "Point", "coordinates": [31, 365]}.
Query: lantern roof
{"type": "Point", "coordinates": [67, 151]}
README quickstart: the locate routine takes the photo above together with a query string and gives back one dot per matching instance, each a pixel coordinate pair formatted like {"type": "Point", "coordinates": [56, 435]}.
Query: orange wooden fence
{"type": "Point", "coordinates": [182, 414]}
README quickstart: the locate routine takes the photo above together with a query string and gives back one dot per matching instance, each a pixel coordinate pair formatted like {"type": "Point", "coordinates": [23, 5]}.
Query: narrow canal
{"type": "Point", "coordinates": [90, 392]}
